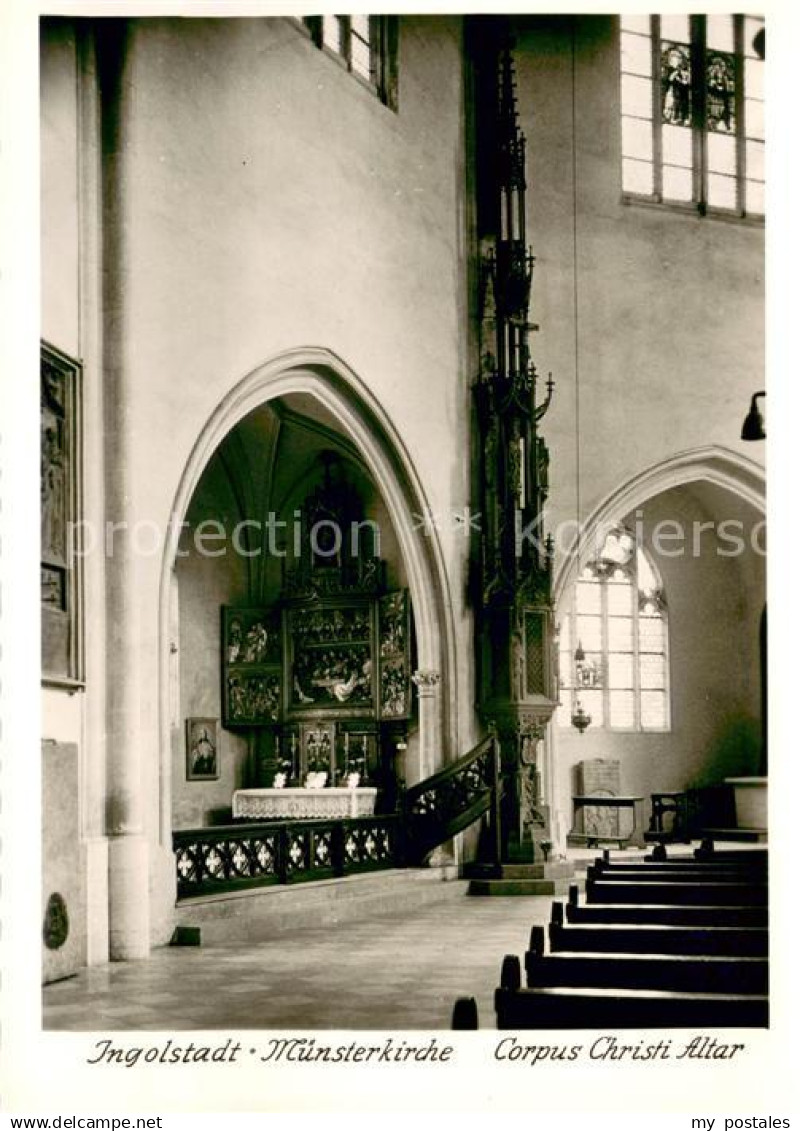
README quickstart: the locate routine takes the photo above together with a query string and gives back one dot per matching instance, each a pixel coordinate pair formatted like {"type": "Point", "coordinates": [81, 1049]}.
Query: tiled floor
{"type": "Point", "coordinates": [390, 972]}
{"type": "Point", "coordinates": [395, 972]}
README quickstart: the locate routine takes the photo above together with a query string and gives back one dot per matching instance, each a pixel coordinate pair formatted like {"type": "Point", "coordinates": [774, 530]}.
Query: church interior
{"type": "Point", "coordinates": [403, 547]}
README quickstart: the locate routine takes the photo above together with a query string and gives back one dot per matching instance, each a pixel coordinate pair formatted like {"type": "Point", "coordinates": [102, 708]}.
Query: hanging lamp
{"type": "Point", "coordinates": [580, 718]}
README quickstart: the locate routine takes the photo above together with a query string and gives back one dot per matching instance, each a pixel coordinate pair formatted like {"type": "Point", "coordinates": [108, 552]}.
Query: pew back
{"type": "Point", "coordinates": [667, 914]}
{"type": "Point", "coordinates": [703, 974]}
{"type": "Point", "coordinates": [575, 1008]}
{"type": "Point", "coordinates": [635, 938]}
{"type": "Point", "coordinates": [701, 892]}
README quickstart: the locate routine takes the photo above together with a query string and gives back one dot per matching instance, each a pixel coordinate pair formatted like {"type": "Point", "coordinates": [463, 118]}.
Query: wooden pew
{"type": "Point", "coordinates": [593, 1007]}
{"type": "Point", "coordinates": [636, 938]}
{"type": "Point", "coordinates": [740, 878]}
{"type": "Point", "coordinates": [465, 1013]}
{"type": "Point", "coordinates": [677, 915]}
{"type": "Point", "coordinates": [709, 851]}
{"type": "Point", "coordinates": [709, 974]}
{"type": "Point", "coordinates": [735, 855]}
{"type": "Point", "coordinates": [706, 853]}
{"type": "Point", "coordinates": [659, 943]}
{"type": "Point", "coordinates": [673, 874]}
{"type": "Point", "coordinates": [558, 1008]}
{"type": "Point", "coordinates": [704, 892]}
{"type": "Point", "coordinates": [676, 871]}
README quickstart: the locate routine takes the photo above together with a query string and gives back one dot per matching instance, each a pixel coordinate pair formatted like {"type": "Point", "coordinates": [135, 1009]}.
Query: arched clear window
{"type": "Point", "coordinates": [613, 641]}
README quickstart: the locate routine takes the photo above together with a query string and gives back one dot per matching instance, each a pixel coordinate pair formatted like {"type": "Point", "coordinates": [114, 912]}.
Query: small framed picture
{"type": "Point", "coordinates": [202, 749]}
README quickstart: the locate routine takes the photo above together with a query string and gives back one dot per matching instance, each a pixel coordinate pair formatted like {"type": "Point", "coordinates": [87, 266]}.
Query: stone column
{"type": "Point", "coordinates": [128, 882]}
{"type": "Point", "coordinates": [91, 351]}
{"type": "Point", "coordinates": [550, 795]}
{"type": "Point", "coordinates": [427, 684]}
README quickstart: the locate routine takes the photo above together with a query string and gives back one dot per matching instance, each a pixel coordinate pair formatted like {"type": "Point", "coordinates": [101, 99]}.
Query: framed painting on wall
{"type": "Point", "coordinates": [61, 549]}
{"type": "Point", "coordinates": [202, 749]}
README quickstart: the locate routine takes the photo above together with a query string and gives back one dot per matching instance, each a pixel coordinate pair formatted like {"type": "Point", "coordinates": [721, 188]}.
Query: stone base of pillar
{"type": "Point", "coordinates": [96, 856]}
{"type": "Point", "coordinates": [558, 833]}
{"type": "Point", "coordinates": [128, 898]}
{"type": "Point", "coordinates": [443, 856]}
{"type": "Point", "coordinates": [163, 893]}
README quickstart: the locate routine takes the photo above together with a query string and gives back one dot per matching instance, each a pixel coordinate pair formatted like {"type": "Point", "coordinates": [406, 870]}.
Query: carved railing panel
{"type": "Point", "coordinates": [229, 857]}
{"type": "Point", "coordinates": [370, 846]}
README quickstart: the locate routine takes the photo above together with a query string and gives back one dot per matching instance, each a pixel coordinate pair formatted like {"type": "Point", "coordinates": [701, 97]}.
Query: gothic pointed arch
{"type": "Point", "coordinates": [715, 465]}
{"type": "Point", "coordinates": [319, 373]}
{"type": "Point", "coordinates": [712, 464]}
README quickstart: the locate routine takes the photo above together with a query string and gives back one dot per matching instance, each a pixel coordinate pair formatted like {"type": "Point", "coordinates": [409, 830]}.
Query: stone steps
{"type": "Point", "coordinates": [259, 914]}
{"type": "Point", "coordinates": [521, 879]}
{"type": "Point", "coordinates": [518, 887]}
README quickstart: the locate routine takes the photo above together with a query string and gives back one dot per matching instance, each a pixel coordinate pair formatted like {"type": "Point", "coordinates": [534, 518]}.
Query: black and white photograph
{"type": "Point", "coordinates": [401, 651]}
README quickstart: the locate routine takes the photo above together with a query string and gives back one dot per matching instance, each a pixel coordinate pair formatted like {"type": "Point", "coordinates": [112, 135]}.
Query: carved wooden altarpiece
{"type": "Point", "coordinates": [327, 669]}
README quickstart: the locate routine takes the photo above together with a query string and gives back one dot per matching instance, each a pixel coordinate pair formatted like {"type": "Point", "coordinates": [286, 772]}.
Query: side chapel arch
{"type": "Point", "coordinates": [321, 374]}
{"type": "Point", "coordinates": [715, 464]}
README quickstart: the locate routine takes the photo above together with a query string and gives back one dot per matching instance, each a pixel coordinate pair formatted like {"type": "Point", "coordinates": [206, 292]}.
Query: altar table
{"type": "Point", "coordinates": [298, 804]}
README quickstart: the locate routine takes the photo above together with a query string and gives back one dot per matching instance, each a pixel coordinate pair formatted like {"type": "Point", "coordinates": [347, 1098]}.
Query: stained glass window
{"type": "Point", "coordinates": [693, 110]}
{"type": "Point", "coordinates": [720, 92]}
{"type": "Point", "coordinates": [676, 84]}
{"type": "Point", "coordinates": [613, 641]}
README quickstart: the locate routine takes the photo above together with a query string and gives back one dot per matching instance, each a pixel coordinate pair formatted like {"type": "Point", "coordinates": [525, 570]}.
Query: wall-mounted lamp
{"type": "Point", "coordinates": [753, 427]}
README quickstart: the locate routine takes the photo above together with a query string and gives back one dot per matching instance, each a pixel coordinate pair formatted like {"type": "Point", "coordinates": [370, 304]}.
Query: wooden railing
{"type": "Point", "coordinates": [230, 857]}
{"type": "Point", "coordinates": [247, 854]}
{"type": "Point", "coordinates": [437, 808]}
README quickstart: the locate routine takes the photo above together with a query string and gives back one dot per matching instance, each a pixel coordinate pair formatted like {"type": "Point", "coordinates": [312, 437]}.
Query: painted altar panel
{"type": "Point", "coordinates": [357, 752]}
{"type": "Point", "coordinates": [252, 676]}
{"type": "Point", "coordinates": [318, 750]}
{"type": "Point", "coordinates": [323, 676]}
{"type": "Point", "coordinates": [338, 747]}
{"type": "Point", "coordinates": [394, 652]}
{"type": "Point", "coordinates": [331, 659]}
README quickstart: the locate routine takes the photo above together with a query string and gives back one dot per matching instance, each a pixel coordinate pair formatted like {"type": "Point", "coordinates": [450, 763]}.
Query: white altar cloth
{"type": "Point", "coordinates": [330, 803]}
